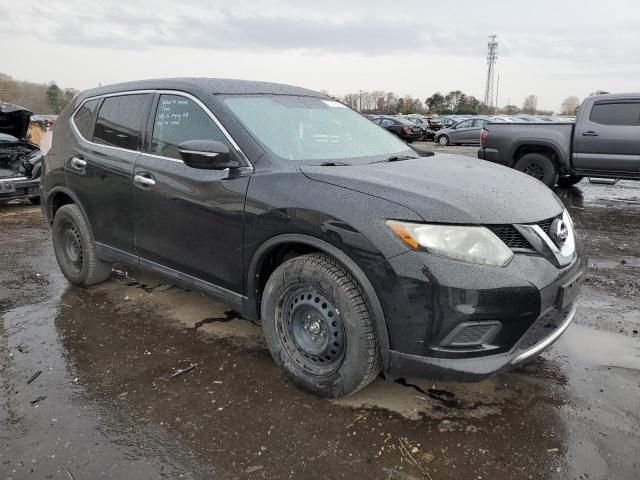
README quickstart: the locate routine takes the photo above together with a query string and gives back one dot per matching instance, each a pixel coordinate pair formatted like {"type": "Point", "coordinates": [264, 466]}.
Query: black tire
{"type": "Point", "coordinates": [318, 325]}
{"type": "Point", "coordinates": [538, 166]}
{"type": "Point", "coordinates": [75, 250]}
{"type": "Point", "coordinates": [443, 140]}
{"type": "Point", "coordinates": [569, 181]}
{"type": "Point", "coordinates": [35, 200]}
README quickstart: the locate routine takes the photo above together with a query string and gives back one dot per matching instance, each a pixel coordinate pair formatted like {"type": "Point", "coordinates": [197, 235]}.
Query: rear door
{"type": "Point", "coordinates": [188, 221]}
{"type": "Point", "coordinates": [460, 133]}
{"type": "Point", "coordinates": [473, 134]}
{"type": "Point", "coordinates": [608, 138]}
{"type": "Point", "coordinates": [100, 169]}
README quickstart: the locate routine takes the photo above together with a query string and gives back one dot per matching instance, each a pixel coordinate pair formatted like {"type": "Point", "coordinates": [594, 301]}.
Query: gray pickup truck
{"type": "Point", "coordinates": [603, 142]}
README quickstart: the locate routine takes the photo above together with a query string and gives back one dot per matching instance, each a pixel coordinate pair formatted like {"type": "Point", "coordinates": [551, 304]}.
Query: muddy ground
{"type": "Point", "coordinates": [87, 390]}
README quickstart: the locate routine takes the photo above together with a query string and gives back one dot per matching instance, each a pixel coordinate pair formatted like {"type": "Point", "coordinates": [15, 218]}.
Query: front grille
{"type": "Point", "coordinates": [545, 225]}
{"type": "Point", "coordinates": [512, 238]}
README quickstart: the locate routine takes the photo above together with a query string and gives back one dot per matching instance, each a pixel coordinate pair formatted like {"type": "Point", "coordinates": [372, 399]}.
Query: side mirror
{"type": "Point", "coordinates": [206, 155]}
{"type": "Point", "coordinates": [422, 152]}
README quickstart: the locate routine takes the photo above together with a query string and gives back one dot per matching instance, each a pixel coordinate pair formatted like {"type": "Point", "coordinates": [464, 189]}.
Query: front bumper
{"type": "Point", "coordinates": [19, 187]}
{"type": "Point", "coordinates": [531, 301]}
{"type": "Point", "coordinates": [542, 334]}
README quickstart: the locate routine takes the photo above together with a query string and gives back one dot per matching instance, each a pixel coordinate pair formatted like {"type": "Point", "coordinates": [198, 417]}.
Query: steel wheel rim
{"type": "Point", "coordinates": [72, 247]}
{"type": "Point", "coordinates": [534, 170]}
{"type": "Point", "coordinates": [312, 331]}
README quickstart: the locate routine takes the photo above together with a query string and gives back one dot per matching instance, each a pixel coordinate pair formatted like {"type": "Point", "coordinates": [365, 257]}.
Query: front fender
{"type": "Point", "coordinates": [318, 244]}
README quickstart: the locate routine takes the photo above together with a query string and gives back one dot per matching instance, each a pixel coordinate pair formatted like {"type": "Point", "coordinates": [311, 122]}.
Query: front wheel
{"type": "Point", "coordinates": [75, 250]}
{"type": "Point", "coordinates": [443, 140]}
{"type": "Point", "coordinates": [318, 325]}
{"type": "Point", "coordinates": [538, 166]}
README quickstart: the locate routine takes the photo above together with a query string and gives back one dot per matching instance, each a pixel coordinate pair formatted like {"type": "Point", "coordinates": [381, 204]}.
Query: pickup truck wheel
{"type": "Point", "coordinates": [75, 250]}
{"type": "Point", "coordinates": [443, 140]}
{"type": "Point", "coordinates": [538, 166]}
{"type": "Point", "coordinates": [569, 181]}
{"type": "Point", "coordinates": [317, 323]}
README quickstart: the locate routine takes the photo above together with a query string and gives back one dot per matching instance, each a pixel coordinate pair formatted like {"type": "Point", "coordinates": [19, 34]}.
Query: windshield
{"type": "Point", "coordinates": [312, 129]}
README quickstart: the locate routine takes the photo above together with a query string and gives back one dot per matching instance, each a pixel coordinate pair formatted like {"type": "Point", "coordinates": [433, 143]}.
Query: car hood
{"type": "Point", "coordinates": [449, 189]}
{"type": "Point", "coordinates": [14, 120]}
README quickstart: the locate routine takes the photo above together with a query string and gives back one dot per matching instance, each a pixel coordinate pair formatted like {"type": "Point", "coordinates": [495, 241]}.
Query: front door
{"type": "Point", "coordinates": [188, 221]}
{"type": "Point", "coordinates": [609, 139]}
{"type": "Point", "coordinates": [460, 133]}
{"type": "Point", "coordinates": [100, 169]}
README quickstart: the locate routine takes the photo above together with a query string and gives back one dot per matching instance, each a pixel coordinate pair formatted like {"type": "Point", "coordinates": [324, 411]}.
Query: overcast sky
{"type": "Point", "coordinates": [549, 48]}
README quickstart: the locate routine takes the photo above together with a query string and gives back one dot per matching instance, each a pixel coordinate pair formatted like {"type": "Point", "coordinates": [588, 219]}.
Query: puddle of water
{"type": "Point", "coordinates": [48, 428]}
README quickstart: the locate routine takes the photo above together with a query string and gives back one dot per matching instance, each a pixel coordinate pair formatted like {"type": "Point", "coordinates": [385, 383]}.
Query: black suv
{"type": "Point", "coordinates": [355, 253]}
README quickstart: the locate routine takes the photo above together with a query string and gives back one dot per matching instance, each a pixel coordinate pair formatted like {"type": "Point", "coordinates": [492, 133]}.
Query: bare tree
{"type": "Point", "coordinates": [570, 106]}
{"type": "Point", "coordinates": [351, 100]}
{"type": "Point", "coordinates": [530, 104]}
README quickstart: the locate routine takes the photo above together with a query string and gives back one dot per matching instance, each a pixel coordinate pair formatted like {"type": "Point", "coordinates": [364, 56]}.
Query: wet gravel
{"type": "Point", "coordinates": [137, 379]}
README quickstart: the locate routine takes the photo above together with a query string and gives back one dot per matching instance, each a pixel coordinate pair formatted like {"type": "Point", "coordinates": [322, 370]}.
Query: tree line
{"type": "Point", "coordinates": [40, 98]}
{"type": "Point", "coordinates": [49, 98]}
{"type": "Point", "coordinates": [454, 102]}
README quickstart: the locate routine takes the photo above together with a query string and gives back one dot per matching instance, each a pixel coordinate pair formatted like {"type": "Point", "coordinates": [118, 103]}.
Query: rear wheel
{"type": "Point", "coordinates": [443, 140]}
{"type": "Point", "coordinates": [75, 250]}
{"type": "Point", "coordinates": [538, 166]}
{"type": "Point", "coordinates": [569, 181]}
{"type": "Point", "coordinates": [318, 326]}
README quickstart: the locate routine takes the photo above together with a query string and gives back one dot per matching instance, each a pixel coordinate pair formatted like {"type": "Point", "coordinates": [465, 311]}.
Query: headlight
{"type": "Point", "coordinates": [36, 158]}
{"type": "Point", "coordinates": [468, 244]}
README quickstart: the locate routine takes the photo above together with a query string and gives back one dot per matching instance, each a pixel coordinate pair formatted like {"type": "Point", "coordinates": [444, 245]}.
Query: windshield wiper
{"type": "Point", "coordinates": [333, 164]}
{"type": "Point", "coordinates": [396, 158]}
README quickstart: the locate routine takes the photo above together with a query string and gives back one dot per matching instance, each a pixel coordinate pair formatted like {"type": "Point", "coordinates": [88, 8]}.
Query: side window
{"type": "Point", "coordinates": [479, 122]}
{"type": "Point", "coordinates": [179, 119]}
{"type": "Point", "coordinates": [120, 121]}
{"type": "Point", "coordinates": [465, 124]}
{"type": "Point", "coordinates": [616, 113]}
{"type": "Point", "coordinates": [386, 123]}
{"type": "Point", "coordinates": [85, 118]}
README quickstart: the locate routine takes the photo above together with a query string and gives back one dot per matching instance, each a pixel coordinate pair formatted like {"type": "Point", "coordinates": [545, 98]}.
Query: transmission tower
{"type": "Point", "coordinates": [492, 56]}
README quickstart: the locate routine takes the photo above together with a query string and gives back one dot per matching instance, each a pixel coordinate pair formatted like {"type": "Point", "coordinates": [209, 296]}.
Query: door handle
{"type": "Point", "coordinates": [144, 181]}
{"type": "Point", "coordinates": [78, 163]}
{"type": "Point", "coordinates": [590, 133]}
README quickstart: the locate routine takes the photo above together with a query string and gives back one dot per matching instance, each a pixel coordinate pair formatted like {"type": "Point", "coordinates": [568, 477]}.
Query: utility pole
{"type": "Point", "coordinates": [495, 109]}
{"type": "Point", "coordinates": [360, 102]}
{"type": "Point", "coordinates": [492, 56]}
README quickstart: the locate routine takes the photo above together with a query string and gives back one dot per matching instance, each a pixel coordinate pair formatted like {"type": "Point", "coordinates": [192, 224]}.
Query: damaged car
{"type": "Point", "coordinates": [355, 252]}
{"type": "Point", "coordinates": [20, 160]}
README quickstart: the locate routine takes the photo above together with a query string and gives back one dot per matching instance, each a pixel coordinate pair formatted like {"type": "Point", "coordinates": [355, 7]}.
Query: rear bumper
{"type": "Point", "coordinates": [20, 187]}
{"type": "Point", "coordinates": [492, 155]}
{"type": "Point", "coordinates": [411, 136]}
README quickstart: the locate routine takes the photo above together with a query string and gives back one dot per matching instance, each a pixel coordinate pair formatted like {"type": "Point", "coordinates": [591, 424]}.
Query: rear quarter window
{"type": "Point", "coordinates": [84, 118]}
{"type": "Point", "coordinates": [627, 113]}
{"type": "Point", "coordinates": [120, 121]}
